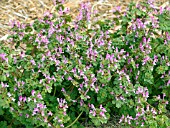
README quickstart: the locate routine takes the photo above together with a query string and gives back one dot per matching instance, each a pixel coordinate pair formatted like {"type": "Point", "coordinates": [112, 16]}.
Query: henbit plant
{"type": "Point", "coordinates": [68, 73]}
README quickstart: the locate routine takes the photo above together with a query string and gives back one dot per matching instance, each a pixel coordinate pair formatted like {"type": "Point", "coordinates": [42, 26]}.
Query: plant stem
{"type": "Point", "coordinates": [55, 88]}
{"type": "Point", "coordinates": [75, 120]}
{"type": "Point", "coordinates": [10, 126]}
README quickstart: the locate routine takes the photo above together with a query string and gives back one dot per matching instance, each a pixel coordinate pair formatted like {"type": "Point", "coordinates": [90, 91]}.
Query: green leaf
{"type": "Point", "coordinates": [4, 103]}
{"type": "Point", "coordinates": [3, 124]}
{"type": "Point", "coordinates": [1, 111]}
{"type": "Point", "coordinates": [118, 104]}
{"type": "Point", "coordinates": [96, 121]}
{"type": "Point", "coordinates": [149, 77]}
{"type": "Point", "coordinates": [161, 69]}
{"type": "Point", "coordinates": [3, 78]}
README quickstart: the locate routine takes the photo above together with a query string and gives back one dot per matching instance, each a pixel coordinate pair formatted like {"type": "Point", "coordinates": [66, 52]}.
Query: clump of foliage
{"type": "Point", "coordinates": [70, 72]}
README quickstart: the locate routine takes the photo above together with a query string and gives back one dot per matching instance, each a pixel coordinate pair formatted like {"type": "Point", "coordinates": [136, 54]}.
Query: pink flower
{"type": "Point", "coordinates": [102, 114]}
{"type": "Point", "coordinates": [161, 10]}
{"type": "Point", "coordinates": [121, 119]}
{"type": "Point", "coordinates": [36, 109]}
{"type": "Point", "coordinates": [63, 90]}
{"type": "Point", "coordinates": [24, 98]}
{"type": "Point", "coordinates": [64, 113]}
{"type": "Point", "coordinates": [9, 94]}
{"type": "Point", "coordinates": [145, 60]}
{"type": "Point", "coordinates": [27, 115]}
{"type": "Point", "coordinates": [61, 125]}
{"type": "Point", "coordinates": [60, 50]}
{"type": "Point", "coordinates": [81, 103]}
{"type": "Point", "coordinates": [69, 78]}
{"type": "Point", "coordinates": [42, 113]}
{"type": "Point", "coordinates": [92, 106]}
{"type": "Point", "coordinates": [96, 89]}
{"type": "Point", "coordinates": [44, 40]}
{"type": "Point", "coordinates": [140, 90]}
{"type": "Point", "coordinates": [33, 92]}
{"type": "Point", "coordinates": [165, 42]}
{"type": "Point", "coordinates": [153, 111]}
{"type": "Point", "coordinates": [85, 78]}
{"type": "Point", "coordinates": [43, 58]}
{"type": "Point", "coordinates": [4, 85]}
{"type": "Point", "coordinates": [107, 56]}
{"type": "Point", "coordinates": [168, 83]}
{"type": "Point", "coordinates": [50, 113]}
{"type": "Point", "coordinates": [138, 114]}
{"type": "Point", "coordinates": [129, 122]}
{"type": "Point", "coordinates": [19, 103]}
{"type": "Point", "coordinates": [40, 105]}
{"type": "Point", "coordinates": [45, 119]}
{"type": "Point", "coordinates": [33, 62]}
{"type": "Point", "coordinates": [2, 56]}
{"type": "Point", "coordinates": [59, 120]}
{"type": "Point", "coordinates": [142, 124]}
{"type": "Point", "coordinates": [93, 113]}
{"type": "Point", "coordinates": [39, 96]}
{"type": "Point", "coordinates": [137, 77]}
{"type": "Point", "coordinates": [20, 98]}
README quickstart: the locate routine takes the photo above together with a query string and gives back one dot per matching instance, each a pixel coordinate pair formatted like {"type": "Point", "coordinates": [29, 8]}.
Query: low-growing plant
{"type": "Point", "coordinates": [62, 73]}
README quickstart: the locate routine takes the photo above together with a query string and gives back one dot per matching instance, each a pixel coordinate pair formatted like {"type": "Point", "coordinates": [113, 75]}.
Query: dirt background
{"type": "Point", "coordinates": [27, 11]}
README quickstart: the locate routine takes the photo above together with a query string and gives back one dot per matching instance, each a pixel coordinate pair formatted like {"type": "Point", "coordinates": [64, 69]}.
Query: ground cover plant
{"type": "Point", "coordinates": [70, 72]}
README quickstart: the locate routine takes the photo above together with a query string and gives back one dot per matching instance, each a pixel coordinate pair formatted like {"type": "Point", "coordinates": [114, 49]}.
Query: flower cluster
{"type": "Point", "coordinates": [146, 114]}
{"type": "Point", "coordinates": [65, 70]}
{"type": "Point", "coordinates": [102, 111]}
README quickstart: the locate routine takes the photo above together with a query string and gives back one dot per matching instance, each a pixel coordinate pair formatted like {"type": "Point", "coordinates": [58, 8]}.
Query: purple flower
{"type": "Point", "coordinates": [20, 98]}
{"type": "Point", "coordinates": [145, 60]}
